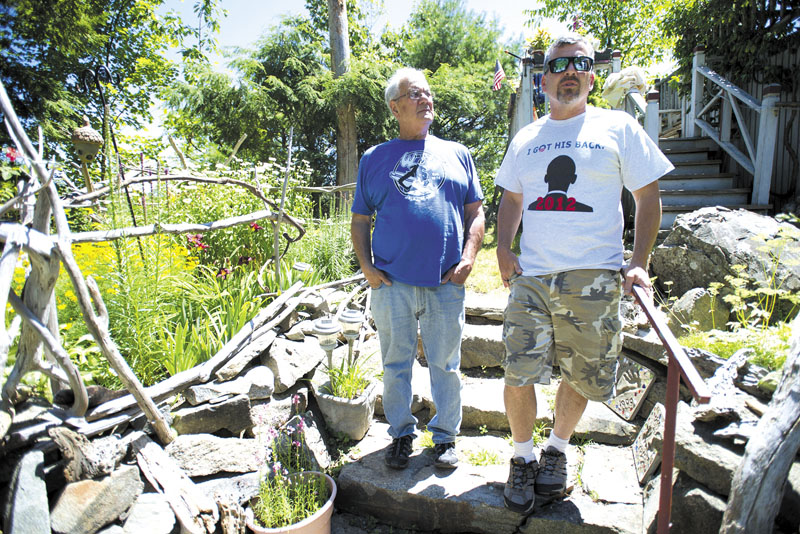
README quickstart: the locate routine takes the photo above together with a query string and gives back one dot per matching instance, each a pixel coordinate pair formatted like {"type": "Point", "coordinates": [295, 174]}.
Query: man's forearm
{"type": "Point", "coordinates": [474, 228]}
{"type": "Point", "coordinates": [360, 226]}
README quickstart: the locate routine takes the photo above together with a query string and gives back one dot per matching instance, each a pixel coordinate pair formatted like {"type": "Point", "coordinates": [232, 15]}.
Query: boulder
{"type": "Point", "coordinates": [700, 310]}
{"type": "Point", "coordinates": [232, 415]}
{"type": "Point", "coordinates": [482, 346]}
{"type": "Point", "coordinates": [86, 506]}
{"type": "Point", "coordinates": [26, 509]}
{"type": "Point", "coordinates": [291, 360]}
{"type": "Point", "coordinates": [705, 245]}
{"type": "Point", "coordinates": [204, 454]}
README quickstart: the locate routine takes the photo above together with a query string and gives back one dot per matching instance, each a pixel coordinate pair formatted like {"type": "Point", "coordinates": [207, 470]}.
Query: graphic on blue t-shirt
{"type": "Point", "coordinates": [418, 175]}
{"type": "Point", "coordinates": [560, 175]}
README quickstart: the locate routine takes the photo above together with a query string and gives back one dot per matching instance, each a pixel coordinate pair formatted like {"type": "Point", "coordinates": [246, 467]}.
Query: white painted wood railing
{"type": "Point", "coordinates": [758, 157]}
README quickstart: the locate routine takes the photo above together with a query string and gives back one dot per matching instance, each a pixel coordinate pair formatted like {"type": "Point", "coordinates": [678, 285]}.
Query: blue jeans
{"type": "Point", "coordinates": [439, 311]}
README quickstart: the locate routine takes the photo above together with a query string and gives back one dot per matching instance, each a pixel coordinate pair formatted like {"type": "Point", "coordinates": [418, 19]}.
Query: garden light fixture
{"type": "Point", "coordinates": [327, 332]}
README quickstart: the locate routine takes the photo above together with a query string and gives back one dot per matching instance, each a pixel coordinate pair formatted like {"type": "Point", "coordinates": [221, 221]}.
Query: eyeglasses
{"type": "Point", "coordinates": [415, 94]}
{"type": "Point", "coordinates": [560, 64]}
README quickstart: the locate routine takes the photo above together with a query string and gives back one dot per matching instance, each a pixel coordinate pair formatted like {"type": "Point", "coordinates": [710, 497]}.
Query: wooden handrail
{"type": "Point", "coordinates": [679, 365]}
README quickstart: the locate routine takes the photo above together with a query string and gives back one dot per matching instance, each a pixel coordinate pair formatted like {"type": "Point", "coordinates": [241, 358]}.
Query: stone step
{"type": "Point", "coordinates": [605, 495]}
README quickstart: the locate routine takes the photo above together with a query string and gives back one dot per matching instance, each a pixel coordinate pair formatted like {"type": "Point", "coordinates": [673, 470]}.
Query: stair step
{"type": "Point", "coordinates": [687, 143]}
{"type": "Point", "coordinates": [681, 156]}
{"type": "Point", "coordinates": [696, 182]}
{"type": "Point", "coordinates": [703, 198]}
{"type": "Point", "coordinates": [470, 498]}
{"type": "Point", "coordinates": [682, 168]}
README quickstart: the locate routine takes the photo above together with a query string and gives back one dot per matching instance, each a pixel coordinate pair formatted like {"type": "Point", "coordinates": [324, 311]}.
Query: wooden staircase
{"type": "Point", "coordinates": [697, 180]}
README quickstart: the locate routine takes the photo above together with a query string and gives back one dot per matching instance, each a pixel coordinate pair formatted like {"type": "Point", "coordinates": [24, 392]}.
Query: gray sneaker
{"type": "Point", "coordinates": [518, 493]}
{"type": "Point", "coordinates": [552, 478]}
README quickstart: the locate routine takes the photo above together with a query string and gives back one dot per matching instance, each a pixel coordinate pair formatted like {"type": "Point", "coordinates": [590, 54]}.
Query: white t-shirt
{"type": "Point", "coordinates": [571, 173]}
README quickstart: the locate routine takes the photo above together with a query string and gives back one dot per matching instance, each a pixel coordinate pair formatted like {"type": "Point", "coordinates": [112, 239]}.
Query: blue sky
{"type": "Point", "coordinates": [247, 20]}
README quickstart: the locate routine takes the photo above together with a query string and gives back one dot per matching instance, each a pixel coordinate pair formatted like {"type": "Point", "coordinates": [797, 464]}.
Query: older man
{"type": "Point", "coordinates": [563, 308]}
{"type": "Point", "coordinates": [429, 224]}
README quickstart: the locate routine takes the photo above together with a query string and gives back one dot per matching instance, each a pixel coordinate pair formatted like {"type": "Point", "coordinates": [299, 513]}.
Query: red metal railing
{"type": "Point", "coordinates": [679, 366]}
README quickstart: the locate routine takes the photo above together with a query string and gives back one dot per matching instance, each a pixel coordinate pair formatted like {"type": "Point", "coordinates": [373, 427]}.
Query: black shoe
{"type": "Point", "coordinates": [446, 457]}
{"type": "Point", "coordinates": [399, 451]}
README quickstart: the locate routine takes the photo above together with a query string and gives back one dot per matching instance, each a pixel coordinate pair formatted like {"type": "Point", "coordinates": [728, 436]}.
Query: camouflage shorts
{"type": "Point", "coordinates": [570, 319]}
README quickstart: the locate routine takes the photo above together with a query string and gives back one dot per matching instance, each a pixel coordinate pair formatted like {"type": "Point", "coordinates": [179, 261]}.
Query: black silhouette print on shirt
{"type": "Point", "coordinates": [560, 175]}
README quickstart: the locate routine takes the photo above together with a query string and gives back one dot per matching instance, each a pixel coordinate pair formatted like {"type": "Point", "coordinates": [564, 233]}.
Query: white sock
{"type": "Point", "coordinates": [554, 441]}
{"type": "Point", "coordinates": [524, 449]}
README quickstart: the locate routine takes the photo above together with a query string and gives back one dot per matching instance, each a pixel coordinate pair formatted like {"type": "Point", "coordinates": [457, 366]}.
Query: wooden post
{"type": "Point", "coordinates": [699, 60]}
{"type": "Point", "coordinates": [652, 119]}
{"type": "Point", "coordinates": [767, 138]}
{"type": "Point", "coordinates": [616, 61]}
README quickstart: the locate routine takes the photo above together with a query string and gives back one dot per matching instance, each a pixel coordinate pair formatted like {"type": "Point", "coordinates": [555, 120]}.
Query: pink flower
{"type": "Point", "coordinates": [255, 226]}
{"type": "Point", "coordinates": [196, 240]}
{"type": "Point", "coordinates": [223, 273]}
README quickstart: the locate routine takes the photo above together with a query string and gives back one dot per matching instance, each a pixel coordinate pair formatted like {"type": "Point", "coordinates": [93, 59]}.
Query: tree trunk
{"type": "Point", "coordinates": [346, 139]}
{"type": "Point", "coordinates": [757, 487]}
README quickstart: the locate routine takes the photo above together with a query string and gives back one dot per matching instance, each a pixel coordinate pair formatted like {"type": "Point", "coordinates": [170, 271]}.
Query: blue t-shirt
{"type": "Point", "coordinates": [418, 190]}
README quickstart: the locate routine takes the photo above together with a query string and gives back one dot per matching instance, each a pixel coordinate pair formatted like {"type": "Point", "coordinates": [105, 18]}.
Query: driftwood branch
{"type": "Point", "coordinates": [758, 483]}
{"type": "Point", "coordinates": [152, 229]}
{"type": "Point", "coordinates": [51, 344]}
{"type": "Point", "coordinates": [236, 149]}
{"type": "Point", "coordinates": [196, 512]}
{"type": "Point", "coordinates": [202, 372]}
{"type": "Point", "coordinates": [178, 152]}
{"type": "Point", "coordinates": [103, 191]}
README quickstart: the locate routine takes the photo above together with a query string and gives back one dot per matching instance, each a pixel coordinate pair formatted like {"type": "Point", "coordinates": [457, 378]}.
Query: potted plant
{"type": "Point", "coordinates": [347, 398]}
{"type": "Point", "coordinates": [293, 497]}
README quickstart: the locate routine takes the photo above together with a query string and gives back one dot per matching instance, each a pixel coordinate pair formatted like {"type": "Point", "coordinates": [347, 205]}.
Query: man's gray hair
{"type": "Point", "coordinates": [565, 40]}
{"type": "Point", "coordinates": [393, 85]}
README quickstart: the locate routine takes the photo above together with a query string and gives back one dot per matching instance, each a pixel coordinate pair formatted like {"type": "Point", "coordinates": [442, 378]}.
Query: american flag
{"type": "Point", "coordinates": [499, 74]}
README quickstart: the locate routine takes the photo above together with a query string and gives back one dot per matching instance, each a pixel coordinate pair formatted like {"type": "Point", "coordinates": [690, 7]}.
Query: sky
{"type": "Point", "coordinates": [247, 20]}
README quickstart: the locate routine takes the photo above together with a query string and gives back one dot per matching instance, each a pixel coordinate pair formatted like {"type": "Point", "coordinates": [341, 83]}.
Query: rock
{"type": "Point", "coordinates": [609, 474]}
{"type": "Point", "coordinates": [770, 382]}
{"type": "Point", "coordinates": [86, 506]}
{"type": "Point", "coordinates": [482, 346]}
{"type": "Point", "coordinates": [647, 343]}
{"type": "Point", "coordinates": [482, 404]}
{"type": "Point", "coordinates": [486, 305]}
{"type": "Point", "coordinates": [602, 425]}
{"type": "Point", "coordinates": [277, 411]}
{"type": "Point", "coordinates": [243, 358]}
{"type": "Point", "coordinates": [258, 383]}
{"type": "Point", "coordinates": [150, 513]}
{"type": "Point", "coordinates": [204, 454]}
{"type": "Point", "coordinates": [700, 455]}
{"type": "Point", "coordinates": [695, 508]}
{"type": "Point", "coordinates": [232, 415]}
{"type": "Point", "coordinates": [291, 360]}
{"type": "Point", "coordinates": [241, 488]}
{"type": "Point", "coordinates": [316, 304]}
{"type": "Point", "coordinates": [26, 510]}
{"type": "Point", "coordinates": [704, 245]}
{"type": "Point", "coordinates": [699, 310]}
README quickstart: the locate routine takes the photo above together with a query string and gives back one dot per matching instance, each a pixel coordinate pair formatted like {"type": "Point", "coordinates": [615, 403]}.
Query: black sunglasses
{"type": "Point", "coordinates": [560, 64]}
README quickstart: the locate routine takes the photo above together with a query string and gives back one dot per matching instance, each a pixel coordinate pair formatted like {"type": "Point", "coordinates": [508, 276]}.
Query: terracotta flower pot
{"type": "Point", "coordinates": [317, 523]}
